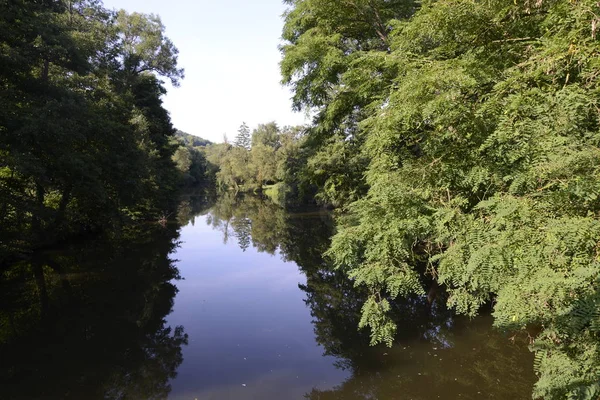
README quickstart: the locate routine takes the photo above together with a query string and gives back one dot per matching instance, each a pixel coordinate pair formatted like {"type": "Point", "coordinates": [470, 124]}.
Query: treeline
{"type": "Point", "coordinates": [269, 158]}
{"type": "Point", "coordinates": [461, 140]}
{"type": "Point", "coordinates": [85, 142]}
{"type": "Point", "coordinates": [190, 159]}
{"type": "Point", "coordinates": [289, 164]}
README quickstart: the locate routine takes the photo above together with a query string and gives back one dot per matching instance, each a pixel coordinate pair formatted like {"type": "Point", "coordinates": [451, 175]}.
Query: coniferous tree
{"type": "Point", "coordinates": [243, 137]}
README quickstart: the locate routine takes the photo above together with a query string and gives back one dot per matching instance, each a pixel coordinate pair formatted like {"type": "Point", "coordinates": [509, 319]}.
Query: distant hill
{"type": "Point", "coordinates": [191, 140]}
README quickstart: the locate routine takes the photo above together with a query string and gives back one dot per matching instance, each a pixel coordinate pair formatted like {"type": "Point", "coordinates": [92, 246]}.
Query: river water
{"type": "Point", "coordinates": [233, 301]}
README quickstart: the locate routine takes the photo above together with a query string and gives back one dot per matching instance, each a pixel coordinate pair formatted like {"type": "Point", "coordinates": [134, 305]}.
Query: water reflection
{"type": "Point", "coordinates": [266, 318]}
{"type": "Point", "coordinates": [88, 321]}
{"type": "Point", "coordinates": [436, 354]}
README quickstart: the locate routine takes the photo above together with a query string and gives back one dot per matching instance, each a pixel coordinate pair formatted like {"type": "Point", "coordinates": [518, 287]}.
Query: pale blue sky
{"type": "Point", "coordinates": [229, 51]}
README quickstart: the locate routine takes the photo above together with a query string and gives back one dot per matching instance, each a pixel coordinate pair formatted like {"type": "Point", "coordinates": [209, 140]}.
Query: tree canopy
{"type": "Point", "coordinates": [267, 156]}
{"type": "Point", "coordinates": [84, 138]}
{"type": "Point", "coordinates": [458, 139]}
{"type": "Point", "coordinates": [472, 132]}
{"type": "Point", "coordinates": [144, 46]}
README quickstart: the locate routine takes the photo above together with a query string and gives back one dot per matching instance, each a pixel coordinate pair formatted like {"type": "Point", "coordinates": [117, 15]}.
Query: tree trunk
{"type": "Point", "coordinates": [62, 207]}
{"type": "Point", "coordinates": [38, 272]}
{"type": "Point", "coordinates": [36, 218]}
{"type": "Point", "coordinates": [63, 278]}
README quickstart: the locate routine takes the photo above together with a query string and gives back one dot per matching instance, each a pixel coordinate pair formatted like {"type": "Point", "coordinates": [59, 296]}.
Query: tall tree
{"type": "Point", "coordinates": [479, 125]}
{"type": "Point", "coordinates": [145, 48]}
{"type": "Point", "coordinates": [243, 137]}
{"type": "Point", "coordinates": [84, 138]}
{"type": "Point", "coordinates": [336, 60]}
{"type": "Point", "coordinates": [266, 134]}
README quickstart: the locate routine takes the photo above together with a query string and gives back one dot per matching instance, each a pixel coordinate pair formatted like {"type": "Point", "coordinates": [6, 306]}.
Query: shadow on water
{"type": "Point", "coordinates": [436, 353]}
{"type": "Point", "coordinates": [88, 321]}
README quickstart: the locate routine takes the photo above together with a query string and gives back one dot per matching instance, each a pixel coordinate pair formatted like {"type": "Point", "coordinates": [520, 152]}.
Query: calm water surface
{"type": "Point", "coordinates": [236, 304]}
{"type": "Point", "coordinates": [267, 319]}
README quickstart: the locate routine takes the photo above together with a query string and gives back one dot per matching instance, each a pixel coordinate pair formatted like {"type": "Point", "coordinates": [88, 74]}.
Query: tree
{"type": "Point", "coordinates": [182, 159]}
{"type": "Point", "coordinates": [144, 47]}
{"type": "Point", "coordinates": [85, 139]}
{"type": "Point", "coordinates": [248, 168]}
{"type": "Point", "coordinates": [267, 135]}
{"type": "Point", "coordinates": [264, 155]}
{"type": "Point", "coordinates": [242, 139]}
{"type": "Point", "coordinates": [263, 163]}
{"type": "Point", "coordinates": [477, 123]}
{"type": "Point", "coordinates": [336, 61]}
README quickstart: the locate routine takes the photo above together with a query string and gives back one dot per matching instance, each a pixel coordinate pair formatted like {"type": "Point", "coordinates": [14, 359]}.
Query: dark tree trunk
{"type": "Point", "coordinates": [40, 280]}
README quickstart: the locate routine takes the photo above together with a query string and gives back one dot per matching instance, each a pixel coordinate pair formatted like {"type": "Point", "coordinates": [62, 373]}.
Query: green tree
{"type": "Point", "coordinates": [182, 159]}
{"type": "Point", "coordinates": [336, 60]}
{"type": "Point", "coordinates": [243, 137]}
{"type": "Point", "coordinates": [478, 125]}
{"type": "Point", "coordinates": [267, 135]}
{"type": "Point", "coordinates": [263, 161]}
{"type": "Point", "coordinates": [145, 48]}
{"type": "Point", "coordinates": [264, 153]}
{"type": "Point", "coordinates": [248, 168]}
{"type": "Point", "coordinates": [85, 139]}
{"type": "Point", "coordinates": [192, 140]}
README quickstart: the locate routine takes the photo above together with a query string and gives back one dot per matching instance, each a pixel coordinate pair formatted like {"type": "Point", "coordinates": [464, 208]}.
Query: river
{"type": "Point", "coordinates": [233, 300]}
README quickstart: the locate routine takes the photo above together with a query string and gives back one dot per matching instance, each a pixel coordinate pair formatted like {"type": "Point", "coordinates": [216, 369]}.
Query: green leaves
{"type": "Point", "coordinates": [270, 155]}
{"type": "Point", "coordinates": [479, 125]}
{"type": "Point", "coordinates": [374, 316]}
{"type": "Point", "coordinates": [85, 140]}
{"type": "Point", "coordinates": [145, 48]}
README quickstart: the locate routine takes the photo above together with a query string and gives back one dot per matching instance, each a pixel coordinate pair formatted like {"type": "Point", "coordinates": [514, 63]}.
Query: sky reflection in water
{"type": "Point", "coordinates": [259, 329]}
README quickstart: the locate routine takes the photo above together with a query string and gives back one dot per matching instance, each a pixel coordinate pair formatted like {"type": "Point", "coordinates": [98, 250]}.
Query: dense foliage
{"type": "Point", "coordinates": [190, 159]}
{"type": "Point", "coordinates": [270, 155]}
{"type": "Point", "coordinates": [460, 139]}
{"type": "Point", "coordinates": [84, 139]}
{"type": "Point", "coordinates": [463, 137]}
{"type": "Point", "coordinates": [191, 140]}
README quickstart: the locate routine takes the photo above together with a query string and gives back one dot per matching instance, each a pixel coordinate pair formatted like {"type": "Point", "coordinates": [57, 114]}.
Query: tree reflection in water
{"type": "Point", "coordinates": [435, 353]}
{"type": "Point", "coordinates": [88, 321]}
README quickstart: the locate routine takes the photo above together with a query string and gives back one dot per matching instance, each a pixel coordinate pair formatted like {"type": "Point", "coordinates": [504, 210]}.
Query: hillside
{"type": "Point", "coordinates": [192, 140]}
